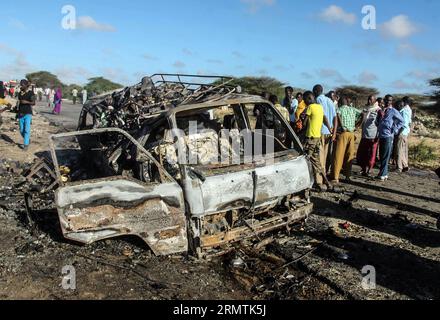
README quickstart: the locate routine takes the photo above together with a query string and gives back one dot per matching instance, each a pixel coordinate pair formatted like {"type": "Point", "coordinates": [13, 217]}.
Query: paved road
{"type": "Point", "coordinates": [69, 114]}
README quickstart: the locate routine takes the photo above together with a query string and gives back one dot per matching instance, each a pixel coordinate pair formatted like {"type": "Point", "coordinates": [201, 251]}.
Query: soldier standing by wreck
{"type": "Point", "coordinates": [26, 99]}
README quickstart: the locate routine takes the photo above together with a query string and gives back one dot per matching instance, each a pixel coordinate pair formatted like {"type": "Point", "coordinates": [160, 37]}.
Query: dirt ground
{"type": "Point", "coordinates": [389, 226]}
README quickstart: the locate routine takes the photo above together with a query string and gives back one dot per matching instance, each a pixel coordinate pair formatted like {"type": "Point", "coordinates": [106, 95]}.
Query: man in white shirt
{"type": "Point", "coordinates": [84, 96]}
{"type": "Point", "coordinates": [74, 95]}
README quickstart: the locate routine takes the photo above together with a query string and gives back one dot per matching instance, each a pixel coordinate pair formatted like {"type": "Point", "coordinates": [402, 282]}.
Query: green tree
{"type": "Point", "coordinates": [436, 93]}
{"type": "Point", "coordinates": [44, 79]}
{"type": "Point", "coordinates": [100, 85]}
{"type": "Point", "coordinates": [258, 85]}
{"type": "Point", "coordinates": [358, 94]}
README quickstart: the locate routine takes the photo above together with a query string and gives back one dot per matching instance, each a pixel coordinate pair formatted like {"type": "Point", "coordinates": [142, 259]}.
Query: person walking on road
{"type": "Point", "coordinates": [58, 99]}
{"type": "Point", "coordinates": [390, 124]}
{"type": "Point", "coordinates": [84, 96]}
{"type": "Point", "coordinates": [74, 95]}
{"type": "Point", "coordinates": [26, 100]}
{"type": "Point", "coordinates": [51, 98]}
{"type": "Point", "coordinates": [47, 94]}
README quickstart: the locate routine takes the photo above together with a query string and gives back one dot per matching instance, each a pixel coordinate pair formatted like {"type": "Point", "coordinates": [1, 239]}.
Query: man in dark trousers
{"type": "Point", "coordinates": [26, 100]}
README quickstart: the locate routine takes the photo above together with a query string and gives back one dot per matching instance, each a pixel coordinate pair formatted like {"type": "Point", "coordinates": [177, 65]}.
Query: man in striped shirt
{"type": "Point", "coordinates": [348, 118]}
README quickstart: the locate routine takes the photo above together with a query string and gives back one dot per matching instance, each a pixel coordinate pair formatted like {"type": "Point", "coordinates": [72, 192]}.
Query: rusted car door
{"type": "Point", "coordinates": [282, 177]}
{"type": "Point", "coordinates": [282, 173]}
{"type": "Point", "coordinates": [116, 206]}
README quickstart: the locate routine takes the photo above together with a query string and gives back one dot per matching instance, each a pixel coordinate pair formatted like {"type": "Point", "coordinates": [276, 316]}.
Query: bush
{"type": "Point", "coordinates": [422, 152]}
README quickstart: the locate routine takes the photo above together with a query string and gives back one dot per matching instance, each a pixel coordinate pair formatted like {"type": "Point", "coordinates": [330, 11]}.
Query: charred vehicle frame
{"type": "Point", "coordinates": [127, 177]}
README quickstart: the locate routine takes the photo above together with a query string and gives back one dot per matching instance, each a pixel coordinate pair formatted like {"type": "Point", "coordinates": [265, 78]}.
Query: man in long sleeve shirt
{"type": "Point", "coordinates": [328, 136]}
{"type": "Point", "coordinates": [390, 124]}
{"type": "Point", "coordinates": [402, 144]}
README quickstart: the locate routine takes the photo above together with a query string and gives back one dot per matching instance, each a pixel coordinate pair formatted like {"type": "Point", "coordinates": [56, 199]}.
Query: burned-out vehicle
{"type": "Point", "coordinates": [197, 175]}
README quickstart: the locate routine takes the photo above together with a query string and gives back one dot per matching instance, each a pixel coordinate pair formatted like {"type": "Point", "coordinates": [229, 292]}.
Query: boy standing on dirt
{"type": "Point", "coordinates": [314, 121]}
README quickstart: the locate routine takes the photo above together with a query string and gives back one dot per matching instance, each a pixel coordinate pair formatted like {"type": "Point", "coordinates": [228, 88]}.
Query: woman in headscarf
{"type": "Point", "coordinates": [58, 99]}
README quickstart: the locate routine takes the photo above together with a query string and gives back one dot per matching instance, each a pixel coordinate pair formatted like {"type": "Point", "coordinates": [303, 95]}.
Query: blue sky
{"type": "Point", "coordinates": [299, 42]}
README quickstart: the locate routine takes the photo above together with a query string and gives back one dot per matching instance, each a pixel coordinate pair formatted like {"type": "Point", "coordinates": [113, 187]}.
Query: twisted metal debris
{"type": "Point", "coordinates": [127, 108]}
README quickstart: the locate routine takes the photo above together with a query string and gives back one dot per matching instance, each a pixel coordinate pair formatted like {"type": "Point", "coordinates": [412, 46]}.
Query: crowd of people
{"type": "Point", "coordinates": [26, 96]}
{"type": "Point", "coordinates": [326, 125]}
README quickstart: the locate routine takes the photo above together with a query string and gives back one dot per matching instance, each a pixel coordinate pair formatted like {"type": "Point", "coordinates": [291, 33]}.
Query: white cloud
{"type": "Point", "coordinates": [255, 5]}
{"type": "Point", "coordinates": [71, 75]}
{"type": "Point", "coordinates": [88, 23]}
{"type": "Point", "coordinates": [306, 75]}
{"type": "Point", "coordinates": [367, 78]}
{"type": "Point", "coordinates": [150, 57]}
{"type": "Point", "coordinates": [16, 24]}
{"type": "Point", "coordinates": [399, 27]}
{"type": "Point", "coordinates": [18, 67]}
{"type": "Point", "coordinates": [179, 64]}
{"type": "Point", "coordinates": [281, 67]}
{"type": "Point", "coordinates": [410, 50]}
{"type": "Point", "coordinates": [187, 52]}
{"type": "Point", "coordinates": [337, 14]}
{"type": "Point", "coordinates": [404, 85]}
{"type": "Point", "coordinates": [8, 50]}
{"type": "Point", "coordinates": [115, 74]}
{"type": "Point", "coordinates": [214, 61]}
{"type": "Point", "coordinates": [423, 75]}
{"type": "Point", "coordinates": [332, 74]}
{"type": "Point", "coordinates": [237, 54]}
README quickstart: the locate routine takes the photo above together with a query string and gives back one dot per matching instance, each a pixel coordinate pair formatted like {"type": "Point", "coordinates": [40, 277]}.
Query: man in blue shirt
{"type": "Point", "coordinates": [402, 143]}
{"type": "Point", "coordinates": [328, 136]}
{"type": "Point", "coordinates": [390, 124]}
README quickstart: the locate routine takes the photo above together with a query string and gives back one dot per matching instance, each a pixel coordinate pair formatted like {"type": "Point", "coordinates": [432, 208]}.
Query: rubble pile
{"type": "Point", "coordinates": [11, 188]}
{"type": "Point", "coordinates": [128, 108]}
